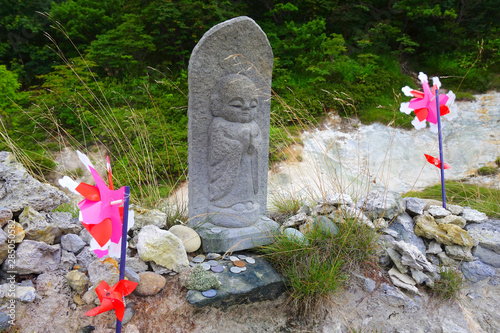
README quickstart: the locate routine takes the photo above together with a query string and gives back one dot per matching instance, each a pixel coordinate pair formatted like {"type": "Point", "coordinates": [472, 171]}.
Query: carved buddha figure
{"type": "Point", "coordinates": [235, 143]}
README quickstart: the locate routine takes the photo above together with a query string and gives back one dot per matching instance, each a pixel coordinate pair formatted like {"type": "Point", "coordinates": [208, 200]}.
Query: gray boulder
{"type": "Point", "coordinates": [5, 216]}
{"type": "Point", "coordinates": [476, 270]}
{"type": "Point", "coordinates": [381, 203]}
{"type": "Point", "coordinates": [18, 189]}
{"type": "Point", "coordinates": [415, 206]}
{"type": "Point", "coordinates": [487, 234]}
{"type": "Point", "coordinates": [474, 216]}
{"type": "Point", "coordinates": [404, 229]}
{"type": "Point", "coordinates": [35, 257]}
{"type": "Point", "coordinates": [72, 243]}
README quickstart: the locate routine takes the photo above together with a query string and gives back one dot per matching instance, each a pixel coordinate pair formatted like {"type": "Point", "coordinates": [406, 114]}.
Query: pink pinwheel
{"type": "Point", "coordinates": [100, 211]}
{"type": "Point", "coordinates": [112, 297]}
{"type": "Point", "coordinates": [436, 161]}
{"type": "Point", "coordinates": [424, 103]}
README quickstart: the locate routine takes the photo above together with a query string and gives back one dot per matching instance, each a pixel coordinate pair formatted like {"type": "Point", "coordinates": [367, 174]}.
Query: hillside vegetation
{"type": "Point", "coordinates": [114, 72]}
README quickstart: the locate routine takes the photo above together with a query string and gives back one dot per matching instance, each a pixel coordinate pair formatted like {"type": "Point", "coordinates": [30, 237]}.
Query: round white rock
{"type": "Point", "coordinates": [190, 238]}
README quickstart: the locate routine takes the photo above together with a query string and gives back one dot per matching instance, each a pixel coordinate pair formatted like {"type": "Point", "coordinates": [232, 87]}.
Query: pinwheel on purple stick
{"type": "Point", "coordinates": [429, 107]}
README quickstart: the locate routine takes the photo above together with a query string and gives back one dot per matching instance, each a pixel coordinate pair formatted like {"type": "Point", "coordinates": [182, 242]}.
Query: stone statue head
{"type": "Point", "coordinates": [235, 99]}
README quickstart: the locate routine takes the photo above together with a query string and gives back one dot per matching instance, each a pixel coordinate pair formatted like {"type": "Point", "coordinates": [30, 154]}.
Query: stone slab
{"type": "Point", "coordinates": [218, 239]}
{"type": "Point", "coordinates": [258, 282]}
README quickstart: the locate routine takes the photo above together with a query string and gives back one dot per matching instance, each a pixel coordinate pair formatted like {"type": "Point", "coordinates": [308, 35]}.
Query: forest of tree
{"type": "Point", "coordinates": [67, 64]}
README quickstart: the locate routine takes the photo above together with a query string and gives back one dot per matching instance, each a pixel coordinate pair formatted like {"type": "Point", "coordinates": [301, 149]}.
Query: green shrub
{"type": "Point", "coordinates": [450, 284]}
{"type": "Point", "coordinates": [317, 265]}
{"type": "Point", "coordinates": [487, 171]}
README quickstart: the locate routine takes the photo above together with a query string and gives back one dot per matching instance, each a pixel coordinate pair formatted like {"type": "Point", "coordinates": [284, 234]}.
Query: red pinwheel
{"type": "Point", "coordinates": [424, 103]}
{"type": "Point", "coordinates": [112, 297]}
{"type": "Point", "coordinates": [436, 162]}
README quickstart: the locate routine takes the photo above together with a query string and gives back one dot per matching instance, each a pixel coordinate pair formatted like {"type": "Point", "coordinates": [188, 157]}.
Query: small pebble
{"type": "Point", "coordinates": [250, 260]}
{"type": "Point", "coordinates": [209, 293]}
{"type": "Point", "coordinates": [217, 269]}
{"type": "Point", "coordinates": [235, 270]}
{"type": "Point", "coordinates": [216, 230]}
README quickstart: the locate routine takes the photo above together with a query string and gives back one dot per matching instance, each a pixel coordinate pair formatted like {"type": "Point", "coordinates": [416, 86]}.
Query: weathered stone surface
{"type": "Point", "coordinates": [105, 269]}
{"type": "Point", "coordinates": [35, 257]}
{"type": "Point", "coordinates": [18, 231]}
{"type": "Point", "coordinates": [447, 234]}
{"type": "Point", "coordinates": [151, 284]}
{"type": "Point", "coordinates": [438, 212]}
{"type": "Point", "coordinates": [137, 264]}
{"type": "Point", "coordinates": [474, 216]}
{"type": "Point", "coordinates": [72, 243]}
{"type": "Point", "coordinates": [487, 256]}
{"type": "Point", "coordinates": [457, 252]}
{"type": "Point", "coordinates": [78, 281]}
{"type": "Point", "coordinates": [476, 270]}
{"type": "Point", "coordinates": [144, 217]}
{"type": "Point", "coordinates": [68, 261]}
{"type": "Point", "coordinates": [402, 280]}
{"type": "Point", "coordinates": [296, 221]}
{"type": "Point", "coordinates": [414, 206]}
{"type": "Point", "coordinates": [336, 199]}
{"type": "Point", "coordinates": [4, 246]}
{"type": "Point", "coordinates": [63, 224]}
{"type": "Point", "coordinates": [259, 282]}
{"type": "Point", "coordinates": [403, 225]}
{"type": "Point", "coordinates": [348, 212]}
{"type": "Point", "coordinates": [380, 203]}
{"type": "Point", "coordinates": [85, 257]}
{"type": "Point", "coordinates": [434, 248]}
{"type": "Point", "coordinates": [159, 269]}
{"type": "Point", "coordinates": [22, 293]}
{"type": "Point", "coordinates": [446, 261]}
{"type": "Point", "coordinates": [131, 275]}
{"type": "Point", "coordinates": [487, 234]}
{"type": "Point", "coordinates": [19, 189]}
{"type": "Point", "coordinates": [455, 209]}
{"type": "Point", "coordinates": [380, 223]}
{"type": "Point", "coordinates": [325, 223]}
{"type": "Point", "coordinates": [294, 234]}
{"type": "Point", "coordinates": [452, 219]}
{"type": "Point", "coordinates": [396, 259]}
{"type": "Point", "coordinates": [5, 216]}
{"type": "Point", "coordinates": [190, 238]}
{"type": "Point", "coordinates": [36, 227]}
{"type": "Point", "coordinates": [162, 247]}
{"type": "Point", "coordinates": [234, 171]}
{"type": "Point", "coordinates": [413, 257]}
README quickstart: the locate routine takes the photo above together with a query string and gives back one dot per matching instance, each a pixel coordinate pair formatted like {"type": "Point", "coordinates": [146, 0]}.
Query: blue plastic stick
{"type": "Point", "coordinates": [443, 194]}
{"type": "Point", "coordinates": [123, 255]}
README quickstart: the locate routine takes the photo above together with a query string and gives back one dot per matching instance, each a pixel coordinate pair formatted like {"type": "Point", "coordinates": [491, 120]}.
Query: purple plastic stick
{"type": "Point", "coordinates": [123, 255]}
{"type": "Point", "coordinates": [443, 194]}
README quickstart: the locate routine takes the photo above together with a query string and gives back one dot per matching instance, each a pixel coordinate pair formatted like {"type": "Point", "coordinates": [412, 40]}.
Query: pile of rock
{"type": "Point", "coordinates": [52, 248]}
{"type": "Point", "coordinates": [417, 236]}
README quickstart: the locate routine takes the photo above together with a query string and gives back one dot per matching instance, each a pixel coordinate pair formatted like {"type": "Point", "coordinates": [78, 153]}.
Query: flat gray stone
{"type": "Point", "coordinates": [487, 256]}
{"type": "Point", "coordinates": [452, 219]}
{"type": "Point", "coordinates": [438, 212]}
{"type": "Point", "coordinates": [34, 257]}
{"type": "Point", "coordinates": [403, 225]}
{"type": "Point", "coordinates": [72, 243]}
{"type": "Point", "coordinates": [474, 216]}
{"type": "Point", "coordinates": [258, 283]}
{"type": "Point", "coordinates": [414, 206]}
{"type": "Point", "coordinates": [476, 270]}
{"type": "Point", "coordinates": [487, 234]}
{"type": "Point", "coordinates": [457, 252]}
{"type": "Point", "coordinates": [381, 203]}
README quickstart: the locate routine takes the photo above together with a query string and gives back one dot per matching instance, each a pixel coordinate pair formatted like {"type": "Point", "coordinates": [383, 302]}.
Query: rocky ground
{"type": "Point", "coordinates": [57, 272]}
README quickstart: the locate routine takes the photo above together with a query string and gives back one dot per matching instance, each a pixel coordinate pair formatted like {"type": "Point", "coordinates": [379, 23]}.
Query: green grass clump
{"type": "Point", "coordinates": [497, 161]}
{"type": "Point", "coordinates": [450, 284]}
{"type": "Point", "coordinates": [318, 264]}
{"type": "Point", "coordinates": [484, 199]}
{"type": "Point", "coordinates": [465, 96]}
{"type": "Point", "coordinates": [284, 205]}
{"type": "Point", "coordinates": [487, 171]}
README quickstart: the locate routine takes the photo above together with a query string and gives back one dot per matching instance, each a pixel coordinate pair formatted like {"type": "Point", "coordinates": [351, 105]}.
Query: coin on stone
{"type": "Point", "coordinates": [242, 256]}
{"type": "Point", "coordinates": [209, 293]}
{"type": "Point", "coordinates": [213, 256]}
{"type": "Point", "coordinates": [234, 258]}
{"type": "Point", "coordinates": [243, 269]}
{"type": "Point", "coordinates": [198, 259]}
{"type": "Point", "coordinates": [206, 266]}
{"type": "Point", "coordinates": [216, 230]}
{"type": "Point", "coordinates": [250, 260]}
{"type": "Point", "coordinates": [217, 269]}
{"type": "Point", "coordinates": [239, 263]}
{"type": "Point", "coordinates": [213, 262]}
{"type": "Point", "coordinates": [235, 270]}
